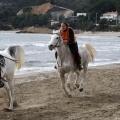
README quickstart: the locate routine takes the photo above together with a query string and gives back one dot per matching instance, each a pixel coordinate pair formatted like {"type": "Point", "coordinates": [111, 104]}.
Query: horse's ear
{"type": "Point", "coordinates": [59, 31]}
{"type": "Point", "coordinates": [54, 31]}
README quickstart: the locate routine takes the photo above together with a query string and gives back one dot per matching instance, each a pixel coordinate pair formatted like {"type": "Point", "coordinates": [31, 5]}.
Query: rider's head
{"type": "Point", "coordinates": [64, 26]}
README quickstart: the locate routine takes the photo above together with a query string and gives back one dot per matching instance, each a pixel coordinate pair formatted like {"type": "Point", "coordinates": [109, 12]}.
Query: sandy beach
{"type": "Point", "coordinates": [41, 97]}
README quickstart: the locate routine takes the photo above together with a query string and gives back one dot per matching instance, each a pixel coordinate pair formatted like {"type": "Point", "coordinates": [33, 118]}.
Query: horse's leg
{"type": "Point", "coordinates": [85, 66]}
{"type": "Point", "coordinates": [11, 83]}
{"type": "Point", "coordinates": [76, 80]}
{"type": "Point", "coordinates": [8, 89]}
{"type": "Point", "coordinates": [69, 80]}
{"type": "Point", "coordinates": [62, 77]}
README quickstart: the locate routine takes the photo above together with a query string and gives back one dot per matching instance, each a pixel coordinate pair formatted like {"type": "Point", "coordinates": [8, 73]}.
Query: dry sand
{"type": "Point", "coordinates": [41, 30]}
{"type": "Point", "coordinates": [41, 97]}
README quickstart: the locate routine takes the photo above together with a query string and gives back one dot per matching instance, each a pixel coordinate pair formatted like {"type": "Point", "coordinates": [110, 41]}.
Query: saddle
{"type": "Point", "coordinates": [2, 64]}
{"type": "Point", "coordinates": [75, 58]}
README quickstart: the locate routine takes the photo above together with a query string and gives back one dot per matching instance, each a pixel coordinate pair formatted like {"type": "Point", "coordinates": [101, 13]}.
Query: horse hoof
{"type": "Point", "coordinates": [81, 89]}
{"type": "Point", "coordinates": [8, 110]}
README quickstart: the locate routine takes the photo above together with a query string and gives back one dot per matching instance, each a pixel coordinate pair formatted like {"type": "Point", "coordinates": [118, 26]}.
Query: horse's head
{"type": "Point", "coordinates": [55, 40]}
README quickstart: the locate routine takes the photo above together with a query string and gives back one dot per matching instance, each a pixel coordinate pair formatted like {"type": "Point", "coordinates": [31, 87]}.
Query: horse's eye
{"type": "Point", "coordinates": [57, 38]}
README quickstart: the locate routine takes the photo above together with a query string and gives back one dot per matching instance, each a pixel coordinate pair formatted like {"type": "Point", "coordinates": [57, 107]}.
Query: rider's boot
{"type": "Point", "coordinates": [79, 64]}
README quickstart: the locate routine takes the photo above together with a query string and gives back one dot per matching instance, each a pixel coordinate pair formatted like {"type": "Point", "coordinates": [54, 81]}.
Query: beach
{"type": "Point", "coordinates": [43, 30]}
{"type": "Point", "coordinates": [41, 97]}
{"type": "Point", "coordinates": [77, 32]}
{"type": "Point", "coordinates": [38, 89]}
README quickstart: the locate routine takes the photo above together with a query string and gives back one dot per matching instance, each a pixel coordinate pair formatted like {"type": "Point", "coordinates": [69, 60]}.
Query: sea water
{"type": "Point", "coordinates": [39, 58]}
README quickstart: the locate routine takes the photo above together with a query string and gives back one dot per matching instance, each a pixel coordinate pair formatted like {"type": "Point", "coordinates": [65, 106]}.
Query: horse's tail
{"type": "Point", "coordinates": [91, 50]}
{"type": "Point", "coordinates": [17, 52]}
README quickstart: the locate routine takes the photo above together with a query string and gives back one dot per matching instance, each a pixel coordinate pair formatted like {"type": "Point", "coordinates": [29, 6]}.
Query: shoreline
{"type": "Point", "coordinates": [33, 30]}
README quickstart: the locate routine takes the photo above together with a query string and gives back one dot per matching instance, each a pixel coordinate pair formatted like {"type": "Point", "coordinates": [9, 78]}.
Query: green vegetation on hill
{"type": "Point", "coordinates": [9, 9]}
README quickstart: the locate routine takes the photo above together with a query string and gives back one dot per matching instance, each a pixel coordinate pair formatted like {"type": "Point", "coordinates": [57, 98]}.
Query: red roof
{"type": "Point", "coordinates": [111, 12]}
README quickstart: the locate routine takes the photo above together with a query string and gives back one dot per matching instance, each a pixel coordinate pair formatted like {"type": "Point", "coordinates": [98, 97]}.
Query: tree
{"type": "Point", "coordinates": [103, 23]}
{"type": "Point", "coordinates": [51, 1]}
{"type": "Point", "coordinates": [27, 9]}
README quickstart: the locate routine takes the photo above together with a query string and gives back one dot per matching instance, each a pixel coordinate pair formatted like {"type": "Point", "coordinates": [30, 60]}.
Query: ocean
{"type": "Point", "coordinates": [39, 58]}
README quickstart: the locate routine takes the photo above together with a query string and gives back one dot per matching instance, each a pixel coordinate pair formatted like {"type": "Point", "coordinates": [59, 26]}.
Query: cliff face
{"type": "Point", "coordinates": [41, 9]}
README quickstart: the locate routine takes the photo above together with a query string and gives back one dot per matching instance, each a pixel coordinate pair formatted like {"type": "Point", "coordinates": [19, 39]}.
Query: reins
{"type": "Point", "coordinates": [16, 61]}
{"type": "Point", "coordinates": [58, 41]}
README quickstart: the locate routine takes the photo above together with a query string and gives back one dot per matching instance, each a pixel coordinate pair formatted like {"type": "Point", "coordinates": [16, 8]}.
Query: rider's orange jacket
{"type": "Point", "coordinates": [65, 35]}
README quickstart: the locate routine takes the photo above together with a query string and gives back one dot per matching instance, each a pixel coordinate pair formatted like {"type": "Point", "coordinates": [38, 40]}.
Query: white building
{"type": "Point", "coordinates": [110, 16]}
{"type": "Point", "coordinates": [81, 14]}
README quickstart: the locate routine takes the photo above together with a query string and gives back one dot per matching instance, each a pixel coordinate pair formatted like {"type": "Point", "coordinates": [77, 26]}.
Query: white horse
{"type": "Point", "coordinates": [11, 58]}
{"type": "Point", "coordinates": [66, 64]}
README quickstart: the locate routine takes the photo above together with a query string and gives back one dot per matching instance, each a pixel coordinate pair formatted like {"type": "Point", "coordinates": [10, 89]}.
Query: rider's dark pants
{"type": "Point", "coordinates": [74, 50]}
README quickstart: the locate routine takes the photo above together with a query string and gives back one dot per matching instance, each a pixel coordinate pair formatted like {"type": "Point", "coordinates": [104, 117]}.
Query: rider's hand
{"type": "Point", "coordinates": [66, 41]}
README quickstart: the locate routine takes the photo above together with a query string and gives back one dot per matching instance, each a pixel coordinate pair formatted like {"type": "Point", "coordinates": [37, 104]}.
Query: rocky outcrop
{"type": "Point", "coordinates": [36, 30]}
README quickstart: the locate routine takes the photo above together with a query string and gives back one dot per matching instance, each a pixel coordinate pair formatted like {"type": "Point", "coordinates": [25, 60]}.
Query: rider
{"type": "Point", "coordinates": [69, 39]}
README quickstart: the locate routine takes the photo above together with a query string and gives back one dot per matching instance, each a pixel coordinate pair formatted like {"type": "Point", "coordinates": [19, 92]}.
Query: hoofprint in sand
{"type": "Point", "coordinates": [41, 97]}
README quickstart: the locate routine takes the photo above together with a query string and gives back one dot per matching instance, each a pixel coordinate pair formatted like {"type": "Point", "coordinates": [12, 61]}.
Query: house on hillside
{"type": "Point", "coordinates": [110, 15]}
{"type": "Point", "coordinates": [82, 14]}
{"type": "Point", "coordinates": [56, 11]}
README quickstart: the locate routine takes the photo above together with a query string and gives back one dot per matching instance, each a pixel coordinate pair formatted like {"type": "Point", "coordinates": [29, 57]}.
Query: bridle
{"type": "Point", "coordinates": [58, 41]}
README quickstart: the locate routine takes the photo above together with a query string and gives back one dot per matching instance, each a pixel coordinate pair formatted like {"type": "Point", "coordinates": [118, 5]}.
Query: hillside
{"type": "Point", "coordinates": [19, 4]}
{"type": "Point", "coordinates": [10, 8]}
